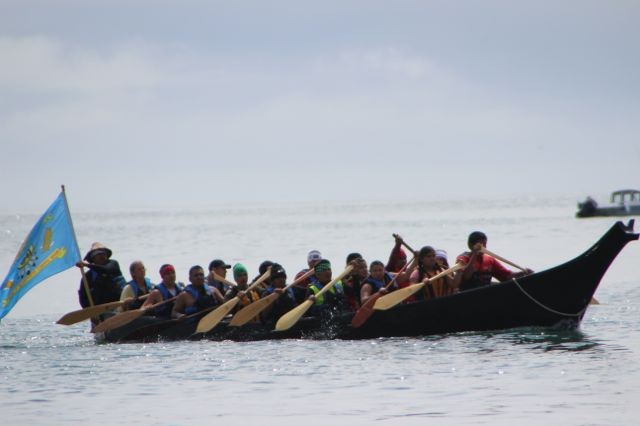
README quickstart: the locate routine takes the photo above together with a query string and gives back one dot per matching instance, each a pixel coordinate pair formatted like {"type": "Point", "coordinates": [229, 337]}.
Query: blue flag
{"type": "Point", "coordinates": [50, 248]}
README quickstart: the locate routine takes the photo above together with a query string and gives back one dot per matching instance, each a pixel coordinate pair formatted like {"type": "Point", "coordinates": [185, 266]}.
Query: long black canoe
{"type": "Point", "coordinates": [554, 297]}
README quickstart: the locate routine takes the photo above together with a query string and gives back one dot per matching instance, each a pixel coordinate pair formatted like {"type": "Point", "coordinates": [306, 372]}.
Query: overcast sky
{"type": "Point", "coordinates": [149, 103]}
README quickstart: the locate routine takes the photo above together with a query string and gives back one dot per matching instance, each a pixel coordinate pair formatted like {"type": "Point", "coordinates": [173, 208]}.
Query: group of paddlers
{"type": "Point", "coordinates": [360, 283]}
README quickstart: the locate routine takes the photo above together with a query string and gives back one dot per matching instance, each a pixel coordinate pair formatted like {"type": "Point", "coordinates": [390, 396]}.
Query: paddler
{"type": "Point", "coordinates": [196, 296]}
{"type": "Point", "coordinates": [481, 267]}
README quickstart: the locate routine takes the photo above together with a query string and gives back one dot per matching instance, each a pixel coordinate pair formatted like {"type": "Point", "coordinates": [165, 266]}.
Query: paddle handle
{"type": "Point", "coordinates": [404, 243]}
{"type": "Point", "coordinates": [260, 280]}
{"type": "Point", "coordinates": [223, 280]}
{"type": "Point", "coordinates": [129, 299]}
{"type": "Point", "coordinates": [334, 281]}
{"type": "Point", "coordinates": [447, 271]}
{"type": "Point", "coordinates": [502, 259]}
{"type": "Point", "coordinates": [171, 299]}
{"type": "Point", "coordinates": [395, 277]}
{"type": "Point", "coordinates": [301, 278]}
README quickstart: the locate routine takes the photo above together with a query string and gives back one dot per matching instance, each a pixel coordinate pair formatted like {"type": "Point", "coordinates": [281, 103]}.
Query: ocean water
{"type": "Point", "coordinates": [52, 374]}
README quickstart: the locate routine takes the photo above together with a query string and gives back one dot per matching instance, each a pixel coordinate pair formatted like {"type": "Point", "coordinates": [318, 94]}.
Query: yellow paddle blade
{"type": "Point", "coordinates": [213, 318]}
{"type": "Point", "coordinates": [118, 320]}
{"type": "Point", "coordinates": [86, 313]}
{"type": "Point", "coordinates": [289, 319]}
{"type": "Point", "coordinates": [249, 312]}
{"type": "Point", "coordinates": [390, 300]}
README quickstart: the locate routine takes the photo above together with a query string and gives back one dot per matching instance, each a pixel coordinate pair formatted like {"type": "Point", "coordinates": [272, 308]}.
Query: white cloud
{"type": "Point", "coordinates": [36, 64]}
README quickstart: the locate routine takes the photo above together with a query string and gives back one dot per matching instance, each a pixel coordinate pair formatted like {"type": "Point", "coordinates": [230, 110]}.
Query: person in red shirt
{"type": "Point", "coordinates": [480, 267]}
{"type": "Point", "coordinates": [397, 257]}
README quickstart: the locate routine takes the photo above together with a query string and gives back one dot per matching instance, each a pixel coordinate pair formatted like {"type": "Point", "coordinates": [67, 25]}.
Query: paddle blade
{"type": "Point", "coordinates": [249, 312]}
{"type": "Point", "coordinates": [118, 320]}
{"type": "Point", "coordinates": [212, 319]}
{"type": "Point", "coordinates": [86, 313]}
{"type": "Point", "coordinates": [390, 300]}
{"type": "Point", "coordinates": [289, 319]}
{"type": "Point", "coordinates": [365, 311]}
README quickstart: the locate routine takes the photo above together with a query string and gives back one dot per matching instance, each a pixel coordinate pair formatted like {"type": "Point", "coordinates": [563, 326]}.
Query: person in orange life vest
{"type": "Point", "coordinates": [441, 259]}
{"type": "Point", "coordinates": [480, 267]}
{"type": "Point", "coordinates": [167, 289]}
{"type": "Point", "coordinates": [397, 257]}
{"type": "Point", "coordinates": [427, 268]}
{"type": "Point", "coordinates": [241, 277]}
{"type": "Point", "coordinates": [138, 286]}
{"type": "Point", "coordinates": [376, 281]}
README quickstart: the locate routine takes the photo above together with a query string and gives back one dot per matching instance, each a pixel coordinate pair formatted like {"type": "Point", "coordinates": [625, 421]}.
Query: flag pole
{"type": "Point", "coordinates": [85, 283]}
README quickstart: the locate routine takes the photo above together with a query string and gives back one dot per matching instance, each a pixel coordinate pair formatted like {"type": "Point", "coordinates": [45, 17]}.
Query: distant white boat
{"type": "Point", "coordinates": [625, 202]}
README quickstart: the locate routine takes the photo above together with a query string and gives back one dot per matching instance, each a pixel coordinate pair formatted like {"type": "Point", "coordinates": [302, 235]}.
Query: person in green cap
{"type": "Point", "coordinates": [332, 300]}
{"type": "Point", "coordinates": [241, 277]}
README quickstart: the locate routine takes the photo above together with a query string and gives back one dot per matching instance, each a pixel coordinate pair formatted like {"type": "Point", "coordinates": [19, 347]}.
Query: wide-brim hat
{"type": "Point", "coordinates": [97, 248]}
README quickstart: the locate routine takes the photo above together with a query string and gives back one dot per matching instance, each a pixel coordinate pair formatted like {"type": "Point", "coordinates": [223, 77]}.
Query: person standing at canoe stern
{"type": "Point", "coordinates": [241, 277]}
{"type": "Point", "coordinates": [376, 281]}
{"type": "Point", "coordinates": [480, 267]}
{"type": "Point", "coordinates": [331, 301]}
{"type": "Point", "coordinates": [167, 289]}
{"type": "Point", "coordinates": [138, 286]}
{"type": "Point", "coordinates": [104, 277]}
{"type": "Point", "coordinates": [196, 296]}
{"type": "Point", "coordinates": [218, 267]}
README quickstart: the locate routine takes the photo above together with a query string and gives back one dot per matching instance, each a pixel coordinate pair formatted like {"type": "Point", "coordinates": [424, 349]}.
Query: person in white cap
{"type": "Point", "coordinates": [441, 259]}
{"type": "Point", "coordinates": [300, 289]}
{"type": "Point", "coordinates": [313, 257]}
{"type": "Point", "coordinates": [104, 278]}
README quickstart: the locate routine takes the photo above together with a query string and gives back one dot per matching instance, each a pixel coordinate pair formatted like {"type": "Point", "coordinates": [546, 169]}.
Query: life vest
{"type": "Point", "coordinates": [251, 297]}
{"type": "Point", "coordinates": [165, 310]}
{"type": "Point", "coordinates": [332, 294]}
{"type": "Point", "coordinates": [136, 289]}
{"type": "Point", "coordinates": [438, 287]}
{"type": "Point", "coordinates": [201, 301]}
{"type": "Point", "coordinates": [376, 285]}
{"type": "Point", "coordinates": [136, 303]}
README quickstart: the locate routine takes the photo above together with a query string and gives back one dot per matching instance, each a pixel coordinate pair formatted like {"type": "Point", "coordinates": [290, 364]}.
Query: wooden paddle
{"type": "Point", "coordinates": [209, 321]}
{"type": "Point", "coordinates": [502, 259]}
{"type": "Point", "coordinates": [126, 317]}
{"type": "Point", "coordinates": [223, 280]}
{"type": "Point", "coordinates": [289, 319]}
{"type": "Point", "coordinates": [249, 312]}
{"type": "Point", "coordinates": [407, 246]}
{"type": "Point", "coordinates": [593, 301]}
{"type": "Point", "coordinates": [390, 300]}
{"type": "Point", "coordinates": [93, 311]}
{"type": "Point", "coordinates": [366, 310]}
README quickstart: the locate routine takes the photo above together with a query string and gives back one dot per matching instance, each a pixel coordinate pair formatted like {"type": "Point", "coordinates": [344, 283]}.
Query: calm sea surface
{"type": "Point", "coordinates": [51, 374]}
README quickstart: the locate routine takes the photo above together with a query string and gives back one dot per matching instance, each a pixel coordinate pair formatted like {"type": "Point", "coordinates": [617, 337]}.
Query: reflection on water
{"type": "Point", "coordinates": [549, 339]}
